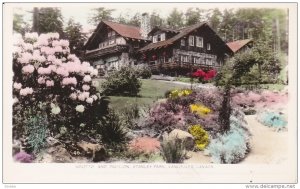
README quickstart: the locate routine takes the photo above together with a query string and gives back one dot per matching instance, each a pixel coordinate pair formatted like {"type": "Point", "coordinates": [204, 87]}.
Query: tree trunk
{"type": "Point", "coordinates": [224, 115]}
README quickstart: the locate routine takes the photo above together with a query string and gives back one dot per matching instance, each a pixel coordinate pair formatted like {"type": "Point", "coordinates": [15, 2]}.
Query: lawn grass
{"type": "Point", "coordinates": [151, 91]}
{"type": "Point", "coordinates": [183, 79]}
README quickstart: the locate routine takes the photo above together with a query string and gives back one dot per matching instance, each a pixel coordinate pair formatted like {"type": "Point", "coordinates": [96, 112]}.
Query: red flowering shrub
{"type": "Point", "coordinates": [204, 76]}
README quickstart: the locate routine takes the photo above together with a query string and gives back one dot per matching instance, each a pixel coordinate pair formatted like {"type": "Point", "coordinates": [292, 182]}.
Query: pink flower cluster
{"type": "Point", "coordinates": [87, 78]}
{"type": "Point", "coordinates": [33, 36]}
{"type": "Point", "coordinates": [51, 57]}
{"type": "Point", "coordinates": [86, 87]}
{"type": "Point", "coordinates": [26, 91]}
{"type": "Point", "coordinates": [25, 58]}
{"type": "Point", "coordinates": [63, 43]}
{"type": "Point", "coordinates": [44, 71]}
{"type": "Point", "coordinates": [63, 72]}
{"type": "Point", "coordinates": [49, 83]}
{"type": "Point", "coordinates": [69, 81]}
{"type": "Point", "coordinates": [28, 69]}
{"type": "Point", "coordinates": [17, 86]}
{"type": "Point", "coordinates": [84, 95]}
{"type": "Point", "coordinates": [41, 80]}
{"type": "Point", "coordinates": [89, 100]}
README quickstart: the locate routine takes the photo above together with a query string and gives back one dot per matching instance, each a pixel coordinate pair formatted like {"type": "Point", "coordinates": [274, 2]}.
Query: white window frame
{"type": "Point", "coordinates": [162, 36]}
{"type": "Point", "coordinates": [182, 42]}
{"type": "Point", "coordinates": [197, 60]}
{"type": "Point", "coordinates": [208, 61]}
{"type": "Point", "coordinates": [154, 39]}
{"type": "Point", "coordinates": [208, 46]}
{"type": "Point", "coordinates": [191, 40]}
{"type": "Point", "coordinates": [199, 41]}
{"type": "Point", "coordinates": [184, 58]}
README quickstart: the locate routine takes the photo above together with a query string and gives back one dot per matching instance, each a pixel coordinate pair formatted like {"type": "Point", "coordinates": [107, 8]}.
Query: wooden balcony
{"type": "Point", "coordinates": [106, 50]}
{"type": "Point", "coordinates": [156, 66]}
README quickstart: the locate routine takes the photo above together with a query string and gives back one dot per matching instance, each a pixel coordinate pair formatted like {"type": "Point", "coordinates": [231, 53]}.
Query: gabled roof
{"type": "Point", "coordinates": [182, 33]}
{"type": "Point", "coordinates": [124, 30]}
{"type": "Point", "coordinates": [237, 45]}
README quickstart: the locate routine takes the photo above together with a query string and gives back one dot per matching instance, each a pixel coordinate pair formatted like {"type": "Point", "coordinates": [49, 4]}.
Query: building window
{"type": "Point", "coordinates": [182, 42]}
{"type": "Point", "coordinates": [191, 40]}
{"type": "Point", "coordinates": [197, 60]}
{"type": "Point", "coordinates": [162, 36]}
{"type": "Point", "coordinates": [112, 41]}
{"type": "Point", "coordinates": [208, 46]}
{"type": "Point", "coordinates": [208, 62]}
{"type": "Point", "coordinates": [113, 33]}
{"type": "Point", "coordinates": [199, 41]}
{"type": "Point", "coordinates": [184, 58]}
{"type": "Point", "coordinates": [136, 45]}
{"type": "Point", "coordinates": [155, 39]}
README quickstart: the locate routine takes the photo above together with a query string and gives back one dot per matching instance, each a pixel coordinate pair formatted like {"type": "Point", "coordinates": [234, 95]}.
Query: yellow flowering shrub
{"type": "Point", "coordinates": [200, 135]}
{"type": "Point", "coordinates": [199, 109]}
{"type": "Point", "coordinates": [180, 92]}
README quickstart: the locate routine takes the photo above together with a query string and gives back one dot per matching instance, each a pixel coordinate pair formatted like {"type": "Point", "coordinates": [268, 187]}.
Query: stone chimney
{"type": "Point", "coordinates": [145, 25]}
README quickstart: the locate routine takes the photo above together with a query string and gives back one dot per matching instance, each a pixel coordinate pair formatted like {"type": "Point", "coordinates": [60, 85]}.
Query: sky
{"type": "Point", "coordinates": [80, 12]}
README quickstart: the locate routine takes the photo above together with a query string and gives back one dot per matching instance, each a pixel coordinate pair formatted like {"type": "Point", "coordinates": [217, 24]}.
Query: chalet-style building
{"type": "Point", "coordinates": [240, 45]}
{"type": "Point", "coordinates": [181, 51]}
{"type": "Point", "coordinates": [113, 45]}
{"type": "Point", "coordinates": [165, 50]}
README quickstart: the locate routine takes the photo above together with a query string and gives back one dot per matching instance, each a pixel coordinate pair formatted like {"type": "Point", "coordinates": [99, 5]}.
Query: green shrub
{"type": "Point", "coordinates": [36, 132]}
{"type": "Point", "coordinates": [113, 131]}
{"type": "Point", "coordinates": [144, 72]}
{"type": "Point", "coordinates": [173, 151]}
{"type": "Point", "coordinates": [124, 82]}
{"type": "Point", "coordinates": [200, 135]}
{"type": "Point", "coordinates": [130, 114]}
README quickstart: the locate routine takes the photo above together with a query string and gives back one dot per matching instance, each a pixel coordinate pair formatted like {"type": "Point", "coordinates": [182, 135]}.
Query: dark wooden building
{"type": "Point", "coordinates": [167, 51]}
{"type": "Point", "coordinates": [181, 51]}
{"type": "Point", "coordinates": [113, 45]}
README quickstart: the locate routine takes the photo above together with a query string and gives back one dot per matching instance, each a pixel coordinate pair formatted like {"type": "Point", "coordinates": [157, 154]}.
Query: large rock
{"type": "Point", "coordinates": [55, 154]}
{"type": "Point", "coordinates": [95, 151]}
{"type": "Point", "coordinates": [52, 141]}
{"type": "Point", "coordinates": [183, 136]}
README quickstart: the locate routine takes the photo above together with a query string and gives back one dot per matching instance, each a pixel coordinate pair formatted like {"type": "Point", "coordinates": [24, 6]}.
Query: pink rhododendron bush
{"type": "Point", "coordinates": [50, 82]}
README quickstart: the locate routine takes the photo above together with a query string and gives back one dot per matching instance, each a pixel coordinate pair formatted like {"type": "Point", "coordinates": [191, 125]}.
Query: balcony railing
{"type": "Point", "coordinates": [155, 65]}
{"type": "Point", "coordinates": [107, 50]}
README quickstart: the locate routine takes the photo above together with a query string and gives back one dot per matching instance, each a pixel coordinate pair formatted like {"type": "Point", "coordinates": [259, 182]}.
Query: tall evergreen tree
{"type": "Point", "coordinates": [100, 14]}
{"type": "Point", "coordinates": [193, 16]}
{"type": "Point", "coordinates": [75, 36]}
{"type": "Point", "coordinates": [175, 19]}
{"type": "Point", "coordinates": [47, 20]}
